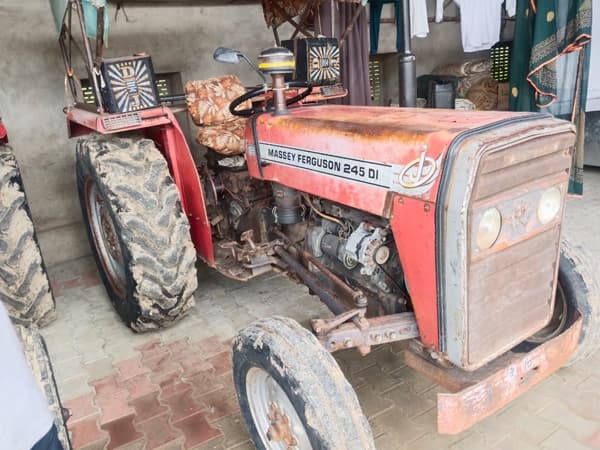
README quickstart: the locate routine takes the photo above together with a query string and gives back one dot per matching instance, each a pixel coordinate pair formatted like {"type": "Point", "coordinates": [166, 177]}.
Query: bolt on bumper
{"type": "Point", "coordinates": [476, 395]}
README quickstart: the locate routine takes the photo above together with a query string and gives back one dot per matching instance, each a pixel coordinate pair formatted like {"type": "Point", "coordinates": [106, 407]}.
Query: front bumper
{"type": "Point", "coordinates": [479, 394]}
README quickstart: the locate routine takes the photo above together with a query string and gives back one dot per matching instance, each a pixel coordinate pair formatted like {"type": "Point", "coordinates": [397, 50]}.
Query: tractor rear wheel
{"type": "Point", "coordinates": [24, 286]}
{"type": "Point", "coordinates": [292, 393]}
{"type": "Point", "coordinates": [138, 232]}
{"type": "Point", "coordinates": [578, 290]}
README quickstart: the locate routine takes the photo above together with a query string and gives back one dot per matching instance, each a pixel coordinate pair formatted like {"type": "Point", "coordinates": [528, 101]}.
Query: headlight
{"type": "Point", "coordinates": [549, 205]}
{"type": "Point", "coordinates": [489, 228]}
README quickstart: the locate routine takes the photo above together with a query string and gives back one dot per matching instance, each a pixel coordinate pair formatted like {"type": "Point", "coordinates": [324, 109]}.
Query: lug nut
{"type": "Point", "coordinates": [377, 338]}
{"type": "Point", "coordinates": [348, 343]}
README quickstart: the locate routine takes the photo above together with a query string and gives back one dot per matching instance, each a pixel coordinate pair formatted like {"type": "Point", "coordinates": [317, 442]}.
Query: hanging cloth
{"type": "Point", "coordinates": [549, 65]}
{"type": "Point", "coordinates": [511, 7]}
{"type": "Point", "coordinates": [439, 11]}
{"type": "Point", "coordinates": [335, 18]}
{"type": "Point", "coordinates": [419, 24]}
{"type": "Point", "coordinates": [479, 23]}
{"type": "Point", "coordinates": [375, 8]}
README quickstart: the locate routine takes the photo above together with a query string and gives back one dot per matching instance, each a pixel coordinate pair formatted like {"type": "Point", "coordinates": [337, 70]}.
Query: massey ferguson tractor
{"type": "Point", "coordinates": [438, 227]}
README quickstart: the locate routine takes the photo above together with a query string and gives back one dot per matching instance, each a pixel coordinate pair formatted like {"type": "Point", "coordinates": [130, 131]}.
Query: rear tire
{"type": "Point", "coordinates": [292, 393]}
{"type": "Point", "coordinates": [24, 286]}
{"type": "Point", "coordinates": [138, 232]}
{"type": "Point", "coordinates": [578, 290]}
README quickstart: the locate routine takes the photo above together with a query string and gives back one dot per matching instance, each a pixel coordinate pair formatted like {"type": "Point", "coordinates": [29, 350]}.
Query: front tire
{"type": "Point", "coordinates": [137, 230]}
{"type": "Point", "coordinates": [292, 393]}
{"type": "Point", "coordinates": [578, 290]}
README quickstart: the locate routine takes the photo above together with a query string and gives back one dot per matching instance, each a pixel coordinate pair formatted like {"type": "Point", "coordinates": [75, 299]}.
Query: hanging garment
{"type": "Point", "coordinates": [375, 8]}
{"type": "Point", "coordinates": [355, 52]}
{"type": "Point", "coordinates": [511, 7]}
{"type": "Point", "coordinates": [439, 11]}
{"type": "Point", "coordinates": [479, 23]}
{"type": "Point", "coordinates": [419, 24]}
{"type": "Point", "coordinates": [549, 65]}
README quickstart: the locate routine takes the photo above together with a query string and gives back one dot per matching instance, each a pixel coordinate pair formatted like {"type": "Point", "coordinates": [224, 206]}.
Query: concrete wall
{"type": "Point", "coordinates": [32, 92]}
{"type": "Point", "coordinates": [179, 39]}
{"type": "Point", "coordinates": [442, 46]}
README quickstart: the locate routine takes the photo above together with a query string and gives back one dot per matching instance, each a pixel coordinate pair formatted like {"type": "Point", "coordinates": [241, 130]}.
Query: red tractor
{"type": "Point", "coordinates": [442, 228]}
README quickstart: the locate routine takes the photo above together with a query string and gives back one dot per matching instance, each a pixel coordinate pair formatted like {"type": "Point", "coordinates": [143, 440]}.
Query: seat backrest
{"type": "Point", "coordinates": [208, 100]}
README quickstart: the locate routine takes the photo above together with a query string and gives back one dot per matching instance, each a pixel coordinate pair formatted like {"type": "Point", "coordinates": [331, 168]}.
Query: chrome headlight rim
{"type": "Point", "coordinates": [550, 205]}
{"type": "Point", "coordinates": [488, 229]}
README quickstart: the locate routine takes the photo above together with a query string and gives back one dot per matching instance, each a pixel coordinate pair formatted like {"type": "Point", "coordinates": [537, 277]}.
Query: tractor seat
{"type": "Point", "coordinates": [208, 103]}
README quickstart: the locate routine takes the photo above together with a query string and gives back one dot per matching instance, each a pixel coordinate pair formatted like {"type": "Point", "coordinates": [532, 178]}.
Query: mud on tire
{"type": "Point", "coordinates": [581, 287]}
{"type": "Point", "coordinates": [37, 357]}
{"type": "Point", "coordinates": [578, 290]}
{"type": "Point", "coordinates": [325, 403]}
{"type": "Point", "coordinates": [24, 286]}
{"type": "Point", "coordinates": [138, 232]}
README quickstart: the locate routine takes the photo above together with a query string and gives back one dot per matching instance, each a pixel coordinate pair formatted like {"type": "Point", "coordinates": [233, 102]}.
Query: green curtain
{"type": "Point", "coordinates": [549, 64]}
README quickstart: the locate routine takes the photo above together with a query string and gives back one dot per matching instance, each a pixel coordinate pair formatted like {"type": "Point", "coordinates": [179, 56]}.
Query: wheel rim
{"type": "Point", "coordinates": [557, 321]}
{"type": "Point", "coordinates": [274, 416]}
{"type": "Point", "coordinates": [105, 238]}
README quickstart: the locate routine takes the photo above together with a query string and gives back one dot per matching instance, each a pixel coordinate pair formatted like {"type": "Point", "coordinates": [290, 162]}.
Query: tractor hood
{"type": "Point", "coordinates": [363, 150]}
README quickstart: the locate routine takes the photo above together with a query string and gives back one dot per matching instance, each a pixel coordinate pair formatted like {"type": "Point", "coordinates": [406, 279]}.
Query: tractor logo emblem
{"type": "Point", "coordinates": [418, 172]}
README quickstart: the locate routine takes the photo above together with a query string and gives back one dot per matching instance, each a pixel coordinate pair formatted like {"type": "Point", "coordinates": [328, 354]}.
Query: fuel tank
{"type": "Point", "coordinates": [436, 175]}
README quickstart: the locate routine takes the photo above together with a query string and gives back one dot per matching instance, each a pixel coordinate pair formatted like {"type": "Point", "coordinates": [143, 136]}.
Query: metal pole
{"type": "Point", "coordinates": [407, 69]}
{"type": "Point", "coordinates": [88, 55]}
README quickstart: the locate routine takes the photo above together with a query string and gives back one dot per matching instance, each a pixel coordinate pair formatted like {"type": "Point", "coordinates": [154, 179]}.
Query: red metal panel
{"type": "Point", "coordinates": [171, 141]}
{"type": "Point", "coordinates": [477, 395]}
{"type": "Point", "coordinates": [413, 226]}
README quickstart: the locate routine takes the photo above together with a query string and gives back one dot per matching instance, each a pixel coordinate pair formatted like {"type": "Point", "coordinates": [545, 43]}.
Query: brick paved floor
{"type": "Point", "coordinates": [172, 389]}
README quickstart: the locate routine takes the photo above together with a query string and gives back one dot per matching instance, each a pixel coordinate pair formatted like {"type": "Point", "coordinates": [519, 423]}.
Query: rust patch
{"type": "Point", "coordinates": [479, 394]}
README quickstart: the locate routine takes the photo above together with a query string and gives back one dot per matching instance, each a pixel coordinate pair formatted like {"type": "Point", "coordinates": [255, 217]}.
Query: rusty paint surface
{"type": "Point", "coordinates": [477, 395]}
{"type": "Point", "coordinates": [393, 136]}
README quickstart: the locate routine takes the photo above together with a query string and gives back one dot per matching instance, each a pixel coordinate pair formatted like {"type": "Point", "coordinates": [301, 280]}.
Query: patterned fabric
{"type": "Point", "coordinates": [276, 15]}
{"type": "Point", "coordinates": [208, 100]}
{"type": "Point", "coordinates": [227, 139]}
{"type": "Point", "coordinates": [208, 103]}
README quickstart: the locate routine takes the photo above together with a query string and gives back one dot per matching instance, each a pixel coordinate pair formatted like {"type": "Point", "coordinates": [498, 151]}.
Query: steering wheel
{"type": "Point", "coordinates": [263, 89]}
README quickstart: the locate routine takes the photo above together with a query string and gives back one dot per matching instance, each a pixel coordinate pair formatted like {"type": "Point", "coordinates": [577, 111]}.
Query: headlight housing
{"type": "Point", "coordinates": [549, 205]}
{"type": "Point", "coordinates": [489, 228]}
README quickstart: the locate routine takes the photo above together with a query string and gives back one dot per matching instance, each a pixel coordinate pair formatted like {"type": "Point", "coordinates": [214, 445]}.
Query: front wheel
{"type": "Point", "coordinates": [138, 232]}
{"type": "Point", "coordinates": [292, 393]}
{"type": "Point", "coordinates": [578, 289]}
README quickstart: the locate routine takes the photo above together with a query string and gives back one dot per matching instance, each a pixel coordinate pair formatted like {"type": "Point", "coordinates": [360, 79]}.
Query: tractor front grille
{"type": "Point", "coordinates": [506, 292]}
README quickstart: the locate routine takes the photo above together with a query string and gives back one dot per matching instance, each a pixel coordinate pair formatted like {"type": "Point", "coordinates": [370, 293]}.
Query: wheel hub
{"type": "Point", "coordinates": [275, 418]}
{"type": "Point", "coordinates": [280, 429]}
{"type": "Point", "coordinates": [108, 232]}
{"type": "Point", "coordinates": [105, 237]}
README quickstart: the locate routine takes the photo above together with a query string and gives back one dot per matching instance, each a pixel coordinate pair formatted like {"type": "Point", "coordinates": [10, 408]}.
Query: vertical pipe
{"type": "Point", "coordinates": [407, 69]}
{"type": "Point", "coordinates": [91, 68]}
{"type": "Point", "coordinates": [279, 100]}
